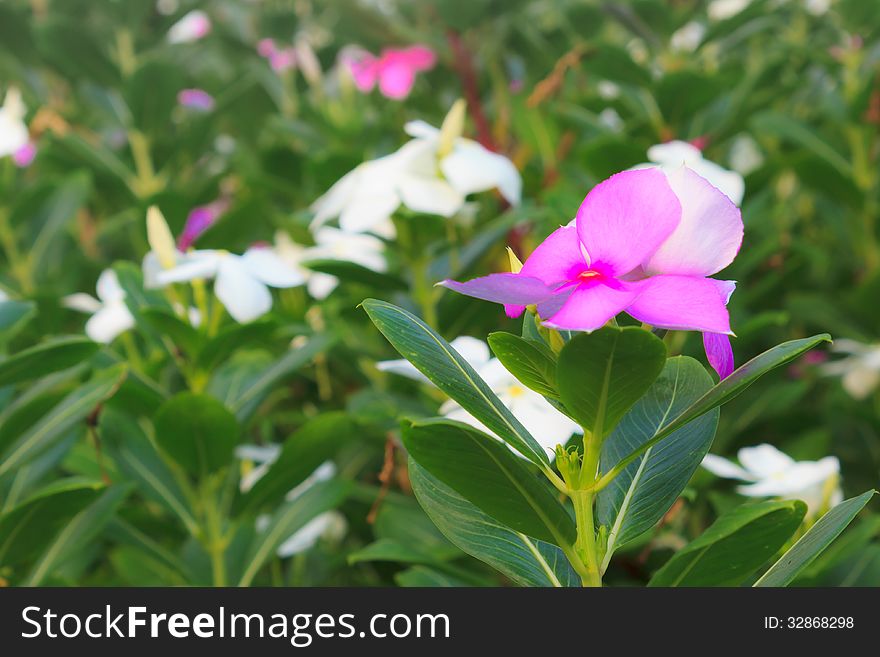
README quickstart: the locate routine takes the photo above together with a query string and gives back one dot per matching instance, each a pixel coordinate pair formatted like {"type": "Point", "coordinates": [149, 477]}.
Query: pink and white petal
{"type": "Point", "coordinates": [558, 259]}
{"type": "Point", "coordinates": [503, 288]}
{"type": "Point", "coordinates": [109, 322]}
{"type": "Point", "coordinates": [429, 195]}
{"type": "Point", "coordinates": [364, 70]}
{"type": "Point", "coordinates": [730, 183]}
{"type": "Point", "coordinates": [683, 303]}
{"type": "Point", "coordinates": [243, 296]}
{"type": "Point", "coordinates": [266, 266]}
{"type": "Point", "coordinates": [722, 467]}
{"type": "Point", "coordinates": [719, 353]}
{"type": "Point", "coordinates": [472, 168]}
{"type": "Point", "coordinates": [591, 306]}
{"type": "Point", "coordinates": [626, 218]}
{"type": "Point", "coordinates": [396, 79]}
{"type": "Point", "coordinates": [764, 460]}
{"type": "Point", "coordinates": [710, 232]}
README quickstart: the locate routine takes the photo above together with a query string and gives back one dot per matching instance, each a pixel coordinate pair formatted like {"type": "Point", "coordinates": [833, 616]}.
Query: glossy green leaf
{"type": "Point", "coordinates": [73, 409]}
{"type": "Point", "coordinates": [813, 542]}
{"type": "Point", "coordinates": [45, 358]}
{"type": "Point", "coordinates": [230, 338]}
{"type": "Point", "coordinates": [723, 392]}
{"type": "Point", "coordinates": [13, 315]}
{"type": "Point", "coordinates": [437, 360]}
{"type": "Point", "coordinates": [165, 322]}
{"type": "Point", "coordinates": [601, 375]}
{"type": "Point", "coordinates": [526, 561]}
{"type": "Point", "coordinates": [197, 432]}
{"type": "Point", "coordinates": [530, 361]}
{"type": "Point", "coordinates": [734, 547]}
{"type": "Point", "coordinates": [77, 532]}
{"type": "Point", "coordinates": [311, 445]}
{"type": "Point", "coordinates": [291, 517]}
{"type": "Point", "coordinates": [486, 473]}
{"type": "Point", "coordinates": [642, 493]}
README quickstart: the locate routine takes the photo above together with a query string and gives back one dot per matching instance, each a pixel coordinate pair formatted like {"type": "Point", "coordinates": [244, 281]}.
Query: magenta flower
{"type": "Point", "coordinates": [197, 99]}
{"type": "Point", "coordinates": [199, 220]}
{"type": "Point", "coordinates": [394, 70]}
{"type": "Point", "coordinates": [24, 156]}
{"type": "Point", "coordinates": [644, 242]}
{"type": "Point", "coordinates": [280, 59]}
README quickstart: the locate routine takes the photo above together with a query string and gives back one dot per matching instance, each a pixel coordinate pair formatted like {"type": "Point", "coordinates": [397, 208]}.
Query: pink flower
{"type": "Point", "coordinates": [281, 59]}
{"type": "Point", "coordinates": [24, 156]}
{"type": "Point", "coordinates": [197, 99]}
{"type": "Point", "coordinates": [395, 69]}
{"type": "Point", "coordinates": [199, 220]}
{"type": "Point", "coordinates": [644, 242]}
{"type": "Point", "coordinates": [192, 27]}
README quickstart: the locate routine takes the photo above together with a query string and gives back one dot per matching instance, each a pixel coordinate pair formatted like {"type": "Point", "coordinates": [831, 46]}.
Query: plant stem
{"type": "Point", "coordinates": [583, 511]}
{"type": "Point", "coordinates": [215, 542]}
{"type": "Point", "coordinates": [423, 292]}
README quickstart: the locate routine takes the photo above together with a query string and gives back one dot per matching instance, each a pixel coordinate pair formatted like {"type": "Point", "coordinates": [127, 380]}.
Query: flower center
{"type": "Point", "coordinates": [589, 274]}
{"type": "Point", "coordinates": [516, 391]}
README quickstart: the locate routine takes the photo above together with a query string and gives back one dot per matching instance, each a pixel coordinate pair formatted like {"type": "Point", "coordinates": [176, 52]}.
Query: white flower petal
{"type": "Point", "coordinates": [764, 460]}
{"type": "Point", "coordinates": [82, 302]}
{"type": "Point", "coordinates": [266, 266]}
{"type": "Point", "coordinates": [721, 467]}
{"type": "Point", "coordinates": [429, 195]}
{"type": "Point", "coordinates": [195, 265]}
{"type": "Point", "coordinates": [109, 322]}
{"type": "Point", "coordinates": [471, 168]}
{"type": "Point", "coordinates": [108, 287]}
{"type": "Point", "coordinates": [243, 296]}
{"type": "Point", "coordinates": [306, 537]}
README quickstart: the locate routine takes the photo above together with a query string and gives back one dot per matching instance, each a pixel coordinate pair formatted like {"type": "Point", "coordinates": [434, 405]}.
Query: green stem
{"type": "Point", "coordinates": [215, 542]}
{"type": "Point", "coordinates": [583, 510]}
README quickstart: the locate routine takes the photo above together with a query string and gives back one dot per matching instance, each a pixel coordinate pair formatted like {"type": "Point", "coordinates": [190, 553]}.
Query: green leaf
{"type": "Point", "coordinates": [734, 547]}
{"type": "Point", "coordinates": [28, 527]}
{"type": "Point", "coordinates": [13, 315]}
{"type": "Point", "coordinates": [422, 577]}
{"type": "Point", "coordinates": [197, 432]}
{"type": "Point", "coordinates": [489, 475]}
{"type": "Point", "coordinates": [136, 457]}
{"type": "Point", "coordinates": [45, 358]}
{"type": "Point", "coordinates": [386, 549]}
{"type": "Point", "coordinates": [230, 338]}
{"type": "Point", "coordinates": [311, 445]}
{"type": "Point", "coordinates": [438, 361]}
{"type": "Point", "coordinates": [291, 517]}
{"type": "Point", "coordinates": [165, 322]}
{"type": "Point", "coordinates": [526, 561]}
{"type": "Point", "coordinates": [601, 375]}
{"type": "Point", "coordinates": [352, 272]}
{"type": "Point", "coordinates": [790, 129]}
{"type": "Point", "coordinates": [814, 541]}
{"type": "Point", "coordinates": [62, 205]}
{"type": "Point", "coordinates": [74, 408]}
{"type": "Point", "coordinates": [722, 393]}
{"type": "Point", "coordinates": [529, 361]}
{"type": "Point", "coordinates": [76, 533]}
{"type": "Point", "coordinates": [246, 400]}
{"type": "Point", "coordinates": [642, 493]}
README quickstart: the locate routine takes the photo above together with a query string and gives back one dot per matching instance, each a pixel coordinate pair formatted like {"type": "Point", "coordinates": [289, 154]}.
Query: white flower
{"type": "Point", "coordinates": [110, 315]}
{"type": "Point", "coordinates": [241, 281]}
{"type": "Point", "coordinates": [745, 156]}
{"type": "Point", "coordinates": [673, 154]}
{"type": "Point", "coordinates": [818, 7]}
{"type": "Point", "coordinates": [192, 27]}
{"type": "Point", "coordinates": [330, 244]}
{"type": "Point", "coordinates": [331, 524]}
{"type": "Point", "coordinates": [722, 9]}
{"type": "Point", "coordinates": [774, 474]}
{"type": "Point", "coordinates": [859, 371]}
{"type": "Point", "coordinates": [13, 132]}
{"type": "Point", "coordinates": [609, 118]}
{"type": "Point", "coordinates": [608, 90]}
{"type": "Point", "coordinates": [431, 174]}
{"type": "Point", "coordinates": [547, 425]}
{"type": "Point", "coordinates": [688, 37]}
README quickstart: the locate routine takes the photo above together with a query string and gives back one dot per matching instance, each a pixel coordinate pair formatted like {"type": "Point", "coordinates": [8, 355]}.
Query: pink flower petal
{"type": "Point", "coordinates": [687, 303]}
{"type": "Point", "coordinates": [557, 259]}
{"type": "Point", "coordinates": [504, 288]}
{"type": "Point", "coordinates": [591, 306]}
{"type": "Point", "coordinates": [396, 79]}
{"type": "Point", "coordinates": [719, 353]}
{"type": "Point", "coordinates": [418, 58]}
{"type": "Point", "coordinates": [710, 232]}
{"type": "Point", "coordinates": [626, 218]}
{"type": "Point", "coordinates": [266, 47]}
{"type": "Point", "coordinates": [24, 156]}
{"type": "Point", "coordinates": [197, 99]}
{"type": "Point", "coordinates": [364, 69]}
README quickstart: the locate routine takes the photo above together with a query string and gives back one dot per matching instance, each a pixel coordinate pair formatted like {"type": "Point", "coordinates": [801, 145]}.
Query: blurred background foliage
{"type": "Point", "coordinates": [571, 90]}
